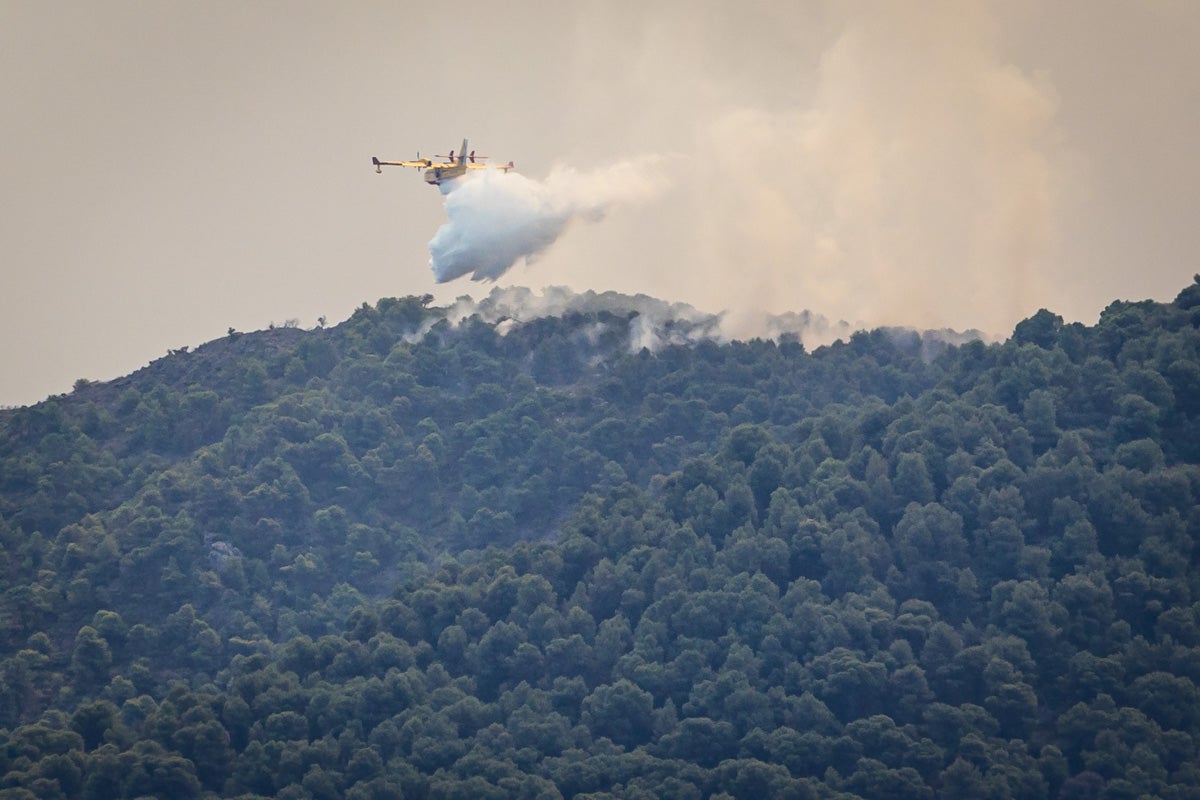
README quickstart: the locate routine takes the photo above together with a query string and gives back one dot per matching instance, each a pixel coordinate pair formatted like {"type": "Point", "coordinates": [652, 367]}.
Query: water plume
{"type": "Point", "coordinates": [495, 221]}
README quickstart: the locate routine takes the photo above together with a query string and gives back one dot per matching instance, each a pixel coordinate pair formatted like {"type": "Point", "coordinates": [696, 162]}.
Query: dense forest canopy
{"type": "Point", "coordinates": [401, 557]}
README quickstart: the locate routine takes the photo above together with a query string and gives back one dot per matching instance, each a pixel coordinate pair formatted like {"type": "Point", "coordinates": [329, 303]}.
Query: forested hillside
{"type": "Point", "coordinates": [401, 557]}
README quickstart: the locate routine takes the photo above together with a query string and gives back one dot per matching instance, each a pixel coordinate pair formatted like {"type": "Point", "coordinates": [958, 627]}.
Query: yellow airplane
{"type": "Point", "coordinates": [437, 172]}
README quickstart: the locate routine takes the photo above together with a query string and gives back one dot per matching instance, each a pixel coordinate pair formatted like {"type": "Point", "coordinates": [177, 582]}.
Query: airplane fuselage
{"type": "Point", "coordinates": [438, 173]}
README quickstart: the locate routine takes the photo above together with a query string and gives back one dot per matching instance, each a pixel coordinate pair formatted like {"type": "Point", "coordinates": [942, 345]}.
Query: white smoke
{"type": "Point", "coordinates": [495, 221]}
{"type": "Point", "coordinates": [654, 324]}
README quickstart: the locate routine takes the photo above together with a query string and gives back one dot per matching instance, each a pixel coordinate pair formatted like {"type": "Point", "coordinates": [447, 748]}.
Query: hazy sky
{"type": "Point", "coordinates": [171, 169]}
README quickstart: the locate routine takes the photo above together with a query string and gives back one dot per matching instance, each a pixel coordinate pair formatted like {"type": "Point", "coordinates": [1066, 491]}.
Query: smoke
{"type": "Point", "coordinates": [653, 324]}
{"type": "Point", "coordinates": [917, 182]}
{"type": "Point", "coordinates": [851, 157]}
{"type": "Point", "coordinates": [497, 220]}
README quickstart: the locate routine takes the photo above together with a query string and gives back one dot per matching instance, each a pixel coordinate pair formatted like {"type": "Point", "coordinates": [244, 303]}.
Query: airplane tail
{"type": "Point", "coordinates": [462, 154]}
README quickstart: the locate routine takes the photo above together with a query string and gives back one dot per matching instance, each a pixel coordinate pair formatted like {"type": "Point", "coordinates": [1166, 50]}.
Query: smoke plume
{"type": "Point", "coordinates": [495, 221]}
{"type": "Point", "coordinates": [653, 324]}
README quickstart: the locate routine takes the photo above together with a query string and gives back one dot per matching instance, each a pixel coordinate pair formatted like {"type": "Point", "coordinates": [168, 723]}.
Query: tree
{"type": "Point", "coordinates": [1171, 700]}
{"type": "Point", "coordinates": [91, 658]}
{"type": "Point", "coordinates": [621, 711]}
{"type": "Point", "coordinates": [92, 720]}
{"type": "Point", "coordinates": [700, 740]}
{"type": "Point", "coordinates": [913, 483]}
{"type": "Point", "coordinates": [157, 774]}
{"type": "Point", "coordinates": [206, 745]}
{"type": "Point", "coordinates": [1040, 420]}
{"type": "Point", "coordinates": [851, 687]}
{"type": "Point", "coordinates": [1041, 329]}
{"type": "Point", "coordinates": [875, 781]}
{"type": "Point", "coordinates": [930, 552]}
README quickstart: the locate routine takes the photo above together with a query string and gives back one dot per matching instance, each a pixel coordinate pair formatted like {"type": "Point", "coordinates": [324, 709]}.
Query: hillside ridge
{"type": "Point", "coordinates": [494, 556]}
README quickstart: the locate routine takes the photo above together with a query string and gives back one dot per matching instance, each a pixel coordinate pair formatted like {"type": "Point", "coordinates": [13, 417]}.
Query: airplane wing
{"type": "Point", "coordinates": [503, 167]}
{"type": "Point", "coordinates": [419, 163]}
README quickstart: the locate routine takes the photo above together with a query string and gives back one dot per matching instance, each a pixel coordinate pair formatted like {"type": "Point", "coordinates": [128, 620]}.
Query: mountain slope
{"type": "Point", "coordinates": [256, 569]}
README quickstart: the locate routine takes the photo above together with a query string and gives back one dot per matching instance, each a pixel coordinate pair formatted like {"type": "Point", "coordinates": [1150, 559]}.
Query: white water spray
{"type": "Point", "coordinates": [496, 221]}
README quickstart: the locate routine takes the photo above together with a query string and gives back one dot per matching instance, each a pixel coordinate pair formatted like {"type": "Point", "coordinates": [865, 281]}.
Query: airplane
{"type": "Point", "coordinates": [438, 172]}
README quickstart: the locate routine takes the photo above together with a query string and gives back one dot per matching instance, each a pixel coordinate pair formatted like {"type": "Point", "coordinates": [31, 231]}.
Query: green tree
{"type": "Point", "coordinates": [91, 657]}
{"type": "Point", "coordinates": [92, 720]}
{"type": "Point", "coordinates": [912, 483]}
{"type": "Point", "coordinates": [621, 711]}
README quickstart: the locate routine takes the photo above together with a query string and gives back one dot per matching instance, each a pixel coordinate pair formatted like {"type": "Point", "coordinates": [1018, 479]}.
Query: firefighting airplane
{"type": "Point", "coordinates": [438, 172]}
